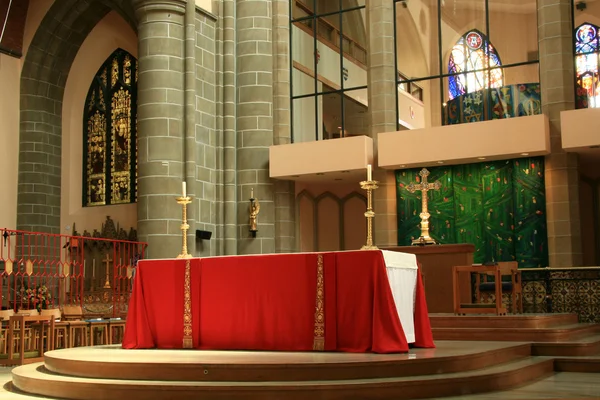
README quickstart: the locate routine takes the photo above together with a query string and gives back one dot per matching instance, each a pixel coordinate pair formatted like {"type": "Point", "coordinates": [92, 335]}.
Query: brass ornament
{"type": "Point", "coordinates": [66, 269]}
{"type": "Point", "coordinates": [29, 267]}
{"type": "Point", "coordinates": [369, 186]}
{"type": "Point", "coordinates": [184, 201]}
{"type": "Point", "coordinates": [187, 308]}
{"type": "Point", "coordinates": [319, 330]}
{"type": "Point", "coordinates": [8, 267]}
{"type": "Point", "coordinates": [424, 187]}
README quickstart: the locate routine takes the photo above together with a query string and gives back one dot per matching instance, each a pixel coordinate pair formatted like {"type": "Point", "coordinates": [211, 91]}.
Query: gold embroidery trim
{"type": "Point", "coordinates": [319, 339]}
{"type": "Point", "coordinates": [187, 309]}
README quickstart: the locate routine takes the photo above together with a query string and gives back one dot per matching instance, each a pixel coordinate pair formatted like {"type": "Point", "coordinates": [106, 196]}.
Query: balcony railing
{"type": "Point", "coordinates": [41, 270]}
{"type": "Point", "coordinates": [507, 101]}
{"type": "Point", "coordinates": [329, 34]}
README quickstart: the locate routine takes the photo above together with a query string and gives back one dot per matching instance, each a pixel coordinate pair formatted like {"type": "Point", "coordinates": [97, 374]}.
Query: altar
{"type": "Point", "coordinates": [353, 301]}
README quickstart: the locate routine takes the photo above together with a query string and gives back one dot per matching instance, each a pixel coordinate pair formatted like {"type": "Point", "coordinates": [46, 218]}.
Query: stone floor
{"type": "Point", "coordinates": [562, 385]}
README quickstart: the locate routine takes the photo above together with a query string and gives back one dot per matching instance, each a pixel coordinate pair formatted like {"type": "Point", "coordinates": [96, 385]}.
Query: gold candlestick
{"type": "Point", "coordinates": [184, 201]}
{"type": "Point", "coordinates": [107, 261]}
{"type": "Point", "coordinates": [369, 186]}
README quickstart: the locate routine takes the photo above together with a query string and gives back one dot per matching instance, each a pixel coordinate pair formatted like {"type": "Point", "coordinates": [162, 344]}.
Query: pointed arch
{"type": "Point", "coordinates": [473, 52]}
{"type": "Point", "coordinates": [587, 51]}
{"type": "Point", "coordinates": [110, 133]}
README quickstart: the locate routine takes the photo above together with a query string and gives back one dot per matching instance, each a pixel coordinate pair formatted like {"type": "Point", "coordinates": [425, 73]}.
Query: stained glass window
{"type": "Point", "coordinates": [109, 128]}
{"type": "Point", "coordinates": [586, 66]}
{"type": "Point", "coordinates": [473, 52]}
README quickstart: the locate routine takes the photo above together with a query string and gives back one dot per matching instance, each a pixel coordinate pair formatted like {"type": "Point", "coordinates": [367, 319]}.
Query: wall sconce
{"type": "Point", "coordinates": [254, 210]}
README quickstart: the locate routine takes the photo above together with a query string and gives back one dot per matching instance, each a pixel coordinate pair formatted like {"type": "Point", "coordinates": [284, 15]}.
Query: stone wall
{"type": "Point", "coordinates": [206, 166]}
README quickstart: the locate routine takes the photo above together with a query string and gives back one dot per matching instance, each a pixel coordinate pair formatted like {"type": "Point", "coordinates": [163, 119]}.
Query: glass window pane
{"type": "Point", "coordinates": [468, 52]}
{"type": "Point", "coordinates": [513, 30]}
{"type": "Point", "coordinates": [417, 41]}
{"type": "Point", "coordinates": [356, 118]}
{"type": "Point", "coordinates": [306, 111]}
{"type": "Point", "coordinates": [335, 6]}
{"type": "Point", "coordinates": [302, 9]}
{"type": "Point", "coordinates": [332, 115]}
{"type": "Point", "coordinates": [421, 106]}
{"type": "Point", "coordinates": [354, 49]}
{"type": "Point", "coordinates": [303, 60]}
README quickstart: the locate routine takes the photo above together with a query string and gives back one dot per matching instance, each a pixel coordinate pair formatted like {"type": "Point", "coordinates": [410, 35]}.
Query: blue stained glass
{"type": "Point", "coordinates": [473, 52]}
{"type": "Point", "coordinates": [586, 38]}
{"type": "Point", "coordinates": [586, 66]}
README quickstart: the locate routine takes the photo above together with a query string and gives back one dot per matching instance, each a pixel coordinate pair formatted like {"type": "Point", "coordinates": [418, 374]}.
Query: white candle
{"type": "Point", "coordinates": [252, 193]}
{"type": "Point", "coordinates": [369, 172]}
{"type": "Point", "coordinates": [184, 189]}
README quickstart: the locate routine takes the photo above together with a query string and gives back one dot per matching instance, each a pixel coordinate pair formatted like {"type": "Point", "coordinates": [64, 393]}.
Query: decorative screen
{"type": "Point", "coordinates": [475, 62]}
{"type": "Point", "coordinates": [109, 125]}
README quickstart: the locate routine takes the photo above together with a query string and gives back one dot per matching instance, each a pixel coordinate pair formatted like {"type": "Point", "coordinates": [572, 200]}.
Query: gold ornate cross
{"type": "Point", "coordinates": [424, 187]}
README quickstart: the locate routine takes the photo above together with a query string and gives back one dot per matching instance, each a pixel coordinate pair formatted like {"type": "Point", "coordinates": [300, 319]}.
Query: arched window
{"type": "Point", "coordinates": [109, 128]}
{"type": "Point", "coordinates": [473, 52]}
{"type": "Point", "coordinates": [586, 66]}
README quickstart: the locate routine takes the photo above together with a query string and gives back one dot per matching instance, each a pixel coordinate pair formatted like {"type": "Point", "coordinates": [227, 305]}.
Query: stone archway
{"type": "Point", "coordinates": [45, 70]}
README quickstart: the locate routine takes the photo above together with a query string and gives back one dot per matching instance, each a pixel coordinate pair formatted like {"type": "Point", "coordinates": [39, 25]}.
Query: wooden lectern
{"type": "Point", "coordinates": [436, 263]}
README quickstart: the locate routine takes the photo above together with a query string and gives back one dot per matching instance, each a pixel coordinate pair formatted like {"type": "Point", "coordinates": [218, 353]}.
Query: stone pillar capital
{"type": "Point", "coordinates": [144, 7]}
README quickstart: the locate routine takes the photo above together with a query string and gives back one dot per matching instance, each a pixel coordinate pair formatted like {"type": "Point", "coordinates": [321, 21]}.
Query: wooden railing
{"type": "Point", "coordinates": [41, 270]}
{"type": "Point", "coordinates": [329, 34]}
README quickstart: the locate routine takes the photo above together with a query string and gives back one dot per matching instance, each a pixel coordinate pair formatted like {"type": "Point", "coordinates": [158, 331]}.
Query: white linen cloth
{"type": "Point", "coordinates": [402, 271]}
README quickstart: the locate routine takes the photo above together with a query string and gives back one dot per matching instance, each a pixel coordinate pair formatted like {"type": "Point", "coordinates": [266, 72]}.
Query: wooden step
{"type": "Point", "coordinates": [583, 364]}
{"type": "Point", "coordinates": [555, 334]}
{"type": "Point", "coordinates": [501, 321]}
{"type": "Point", "coordinates": [586, 346]}
{"type": "Point", "coordinates": [112, 362]}
{"type": "Point", "coordinates": [34, 379]}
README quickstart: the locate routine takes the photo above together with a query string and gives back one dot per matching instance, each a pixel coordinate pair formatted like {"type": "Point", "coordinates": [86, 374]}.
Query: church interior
{"type": "Point", "coordinates": [406, 191]}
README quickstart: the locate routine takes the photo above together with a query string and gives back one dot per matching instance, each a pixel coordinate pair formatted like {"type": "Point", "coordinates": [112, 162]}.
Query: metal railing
{"type": "Point", "coordinates": [563, 290]}
{"type": "Point", "coordinates": [42, 270]}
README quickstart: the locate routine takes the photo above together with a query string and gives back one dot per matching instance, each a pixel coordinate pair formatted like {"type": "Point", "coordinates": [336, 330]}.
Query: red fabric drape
{"type": "Point", "coordinates": [423, 335]}
{"type": "Point", "coordinates": [267, 302]}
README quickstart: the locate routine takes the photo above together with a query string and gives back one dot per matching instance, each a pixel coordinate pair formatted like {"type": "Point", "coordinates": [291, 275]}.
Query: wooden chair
{"type": "Point", "coordinates": [98, 329]}
{"type": "Point", "coordinates": [512, 286]}
{"type": "Point", "coordinates": [19, 351]}
{"type": "Point", "coordinates": [5, 317]}
{"type": "Point", "coordinates": [496, 271]}
{"type": "Point", "coordinates": [61, 328]}
{"type": "Point", "coordinates": [116, 330]}
{"type": "Point", "coordinates": [78, 329]}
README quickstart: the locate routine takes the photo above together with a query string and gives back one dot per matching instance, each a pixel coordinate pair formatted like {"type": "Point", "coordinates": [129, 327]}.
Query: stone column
{"type": "Point", "coordinates": [285, 207]}
{"type": "Point", "coordinates": [254, 122]}
{"type": "Point", "coordinates": [160, 124]}
{"type": "Point", "coordinates": [562, 176]}
{"type": "Point", "coordinates": [381, 77]}
{"type": "Point", "coordinates": [227, 194]}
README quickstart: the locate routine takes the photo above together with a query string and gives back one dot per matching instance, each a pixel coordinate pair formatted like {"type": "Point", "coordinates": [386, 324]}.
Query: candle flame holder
{"type": "Point", "coordinates": [369, 186]}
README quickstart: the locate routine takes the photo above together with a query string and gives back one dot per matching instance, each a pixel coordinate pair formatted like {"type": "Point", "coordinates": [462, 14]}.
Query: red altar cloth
{"type": "Point", "coordinates": [267, 302]}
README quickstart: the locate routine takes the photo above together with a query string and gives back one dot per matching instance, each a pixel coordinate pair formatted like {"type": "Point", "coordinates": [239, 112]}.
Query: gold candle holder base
{"type": "Point", "coordinates": [184, 201]}
{"type": "Point", "coordinates": [369, 186]}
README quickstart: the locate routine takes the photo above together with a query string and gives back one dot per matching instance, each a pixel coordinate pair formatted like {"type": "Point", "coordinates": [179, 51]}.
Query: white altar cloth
{"type": "Point", "coordinates": [402, 271]}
